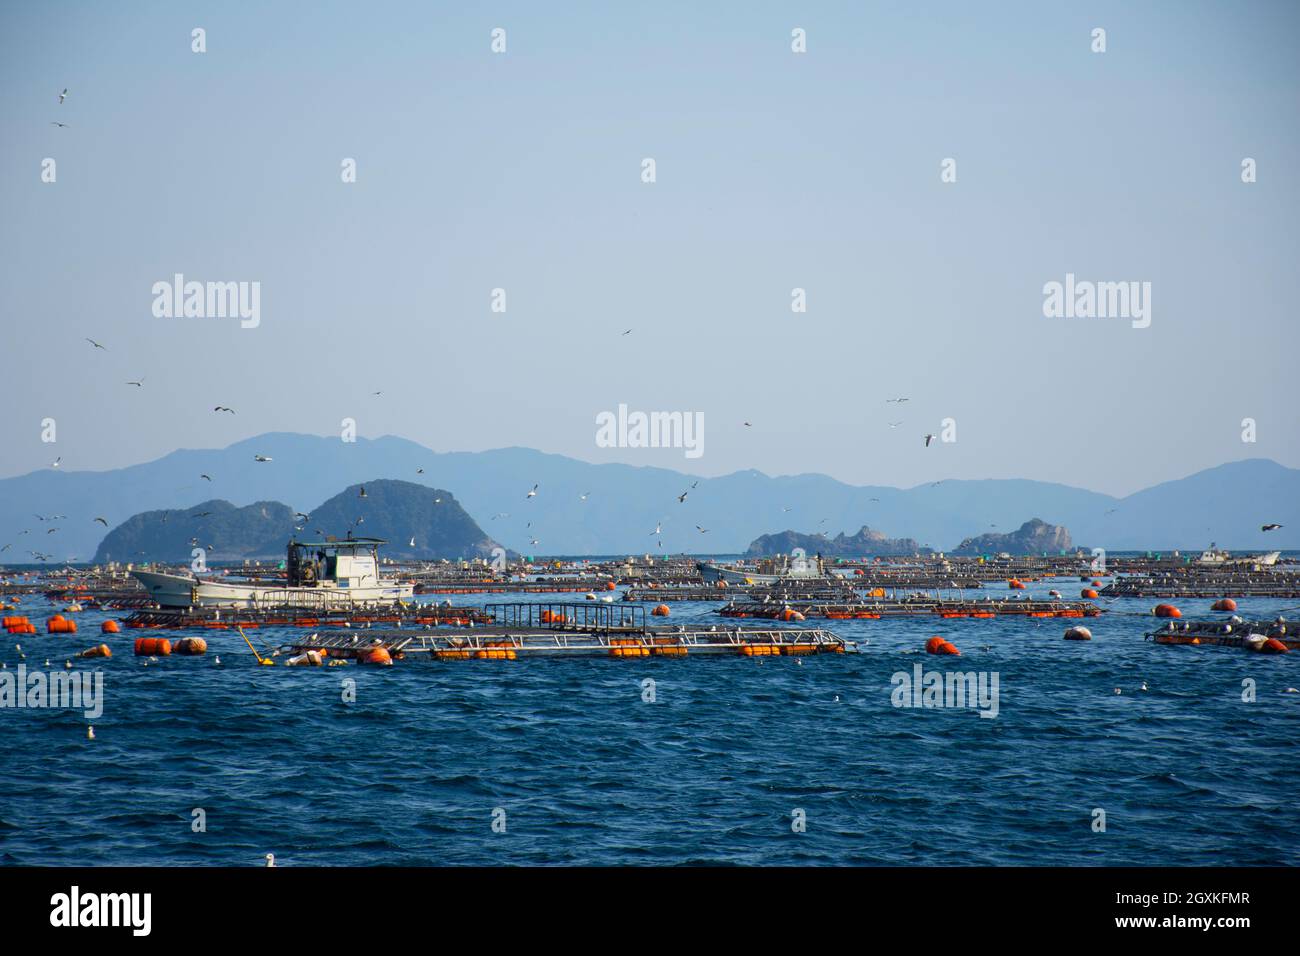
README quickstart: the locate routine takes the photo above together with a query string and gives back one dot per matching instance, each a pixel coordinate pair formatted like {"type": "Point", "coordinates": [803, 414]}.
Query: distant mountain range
{"type": "Point", "coordinates": [1226, 504]}
{"type": "Point", "coordinates": [418, 522]}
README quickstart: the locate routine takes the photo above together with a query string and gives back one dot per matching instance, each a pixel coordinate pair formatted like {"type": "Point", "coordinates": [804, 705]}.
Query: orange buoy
{"type": "Point", "coordinates": [152, 647]}
{"type": "Point", "coordinates": [1272, 646]}
{"type": "Point", "coordinates": [660, 610]}
{"type": "Point", "coordinates": [940, 645]}
{"type": "Point", "coordinates": [191, 646]}
{"type": "Point", "coordinates": [790, 614]}
{"type": "Point", "coordinates": [546, 617]}
{"type": "Point", "coordinates": [948, 647]}
{"type": "Point", "coordinates": [609, 585]}
{"type": "Point", "coordinates": [1096, 583]}
{"type": "Point", "coordinates": [1078, 634]}
{"type": "Point", "coordinates": [1166, 610]}
{"type": "Point", "coordinates": [379, 656]}
{"type": "Point", "coordinates": [109, 627]}
{"type": "Point", "coordinates": [1088, 593]}
{"type": "Point", "coordinates": [100, 650]}
{"type": "Point", "coordinates": [60, 625]}
{"type": "Point", "coordinates": [1016, 585]}
{"type": "Point", "coordinates": [1224, 604]}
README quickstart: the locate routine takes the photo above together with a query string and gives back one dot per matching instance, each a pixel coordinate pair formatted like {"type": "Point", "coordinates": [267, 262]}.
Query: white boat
{"type": "Point", "coordinates": [769, 571]}
{"type": "Point", "coordinates": [322, 575]}
{"type": "Point", "coordinates": [1221, 558]}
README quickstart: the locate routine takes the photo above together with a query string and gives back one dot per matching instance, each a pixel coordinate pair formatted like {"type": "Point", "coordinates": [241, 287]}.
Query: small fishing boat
{"type": "Point", "coordinates": [320, 575]}
{"type": "Point", "coordinates": [795, 567]}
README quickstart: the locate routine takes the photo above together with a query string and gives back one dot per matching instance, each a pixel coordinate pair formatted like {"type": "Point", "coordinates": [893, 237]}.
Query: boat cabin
{"type": "Point", "coordinates": [352, 562]}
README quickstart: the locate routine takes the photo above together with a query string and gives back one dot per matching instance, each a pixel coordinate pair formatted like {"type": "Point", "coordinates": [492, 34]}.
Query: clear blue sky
{"type": "Point", "coordinates": [775, 170]}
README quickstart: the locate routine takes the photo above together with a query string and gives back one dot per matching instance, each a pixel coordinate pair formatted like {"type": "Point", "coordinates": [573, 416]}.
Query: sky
{"type": "Point", "coordinates": [774, 170]}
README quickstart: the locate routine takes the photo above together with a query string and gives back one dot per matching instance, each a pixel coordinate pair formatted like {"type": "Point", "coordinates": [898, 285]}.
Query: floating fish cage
{"type": "Point", "coordinates": [573, 630]}
{"type": "Point", "coordinates": [427, 615]}
{"type": "Point", "coordinates": [1235, 586]}
{"type": "Point", "coordinates": [874, 610]}
{"type": "Point", "coordinates": [1227, 633]}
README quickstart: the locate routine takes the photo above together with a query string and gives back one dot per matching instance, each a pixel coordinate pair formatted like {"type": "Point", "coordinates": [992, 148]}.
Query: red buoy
{"type": "Point", "coordinates": [152, 647]}
{"type": "Point", "coordinates": [1224, 604]}
{"type": "Point", "coordinates": [1166, 610]}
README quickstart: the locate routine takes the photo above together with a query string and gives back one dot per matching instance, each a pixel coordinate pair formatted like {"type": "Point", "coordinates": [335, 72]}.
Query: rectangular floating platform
{"type": "Point", "coordinates": [575, 630]}
{"type": "Point", "coordinates": [1224, 633]}
{"type": "Point", "coordinates": [872, 610]}
{"type": "Point", "coordinates": [427, 615]}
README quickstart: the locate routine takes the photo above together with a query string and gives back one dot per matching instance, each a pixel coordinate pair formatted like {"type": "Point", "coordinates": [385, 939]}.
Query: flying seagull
{"type": "Point", "coordinates": [1269, 527]}
{"type": "Point", "coordinates": [584, 496]}
{"type": "Point", "coordinates": [96, 344]}
{"type": "Point", "coordinates": [533, 493]}
{"type": "Point", "coordinates": [55, 463]}
{"type": "Point", "coordinates": [659, 528]}
{"type": "Point", "coordinates": [895, 401]}
{"type": "Point", "coordinates": [928, 439]}
{"type": "Point", "coordinates": [701, 530]}
{"type": "Point", "coordinates": [682, 497]}
{"type": "Point", "coordinates": [223, 408]}
{"type": "Point", "coordinates": [628, 332]}
{"type": "Point", "coordinates": [60, 125]}
{"type": "Point", "coordinates": [894, 424]}
{"type": "Point", "coordinates": [262, 458]}
{"type": "Point", "coordinates": [102, 521]}
{"type": "Point", "coordinates": [63, 96]}
{"type": "Point", "coordinates": [206, 477]}
{"type": "Point", "coordinates": [749, 425]}
{"type": "Point", "coordinates": [419, 471]}
{"type": "Point", "coordinates": [139, 384]}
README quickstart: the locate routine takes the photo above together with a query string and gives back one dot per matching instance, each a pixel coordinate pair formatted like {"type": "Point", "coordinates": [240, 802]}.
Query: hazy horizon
{"type": "Point", "coordinates": [775, 170]}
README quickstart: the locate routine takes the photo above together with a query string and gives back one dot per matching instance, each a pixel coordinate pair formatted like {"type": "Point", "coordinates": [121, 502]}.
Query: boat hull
{"type": "Point", "coordinates": [175, 590]}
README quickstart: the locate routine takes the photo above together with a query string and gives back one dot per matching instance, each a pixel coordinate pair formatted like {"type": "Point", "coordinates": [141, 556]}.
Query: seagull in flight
{"type": "Point", "coordinates": [55, 463]}
{"type": "Point", "coordinates": [659, 528]}
{"type": "Point", "coordinates": [928, 439]}
{"type": "Point", "coordinates": [894, 424]}
{"type": "Point", "coordinates": [262, 458]}
{"type": "Point", "coordinates": [223, 408]}
{"type": "Point", "coordinates": [63, 96]}
{"type": "Point", "coordinates": [628, 332]}
{"type": "Point", "coordinates": [102, 521]}
{"type": "Point", "coordinates": [896, 401]}
{"type": "Point", "coordinates": [584, 496]}
{"type": "Point", "coordinates": [139, 384]}
{"type": "Point", "coordinates": [749, 425]}
{"type": "Point", "coordinates": [96, 344]}
{"type": "Point", "coordinates": [701, 530]}
{"type": "Point", "coordinates": [1269, 527]}
{"type": "Point", "coordinates": [682, 497]}
{"type": "Point", "coordinates": [206, 477]}
{"type": "Point", "coordinates": [60, 125]}
{"type": "Point", "coordinates": [532, 494]}
{"type": "Point", "coordinates": [419, 471]}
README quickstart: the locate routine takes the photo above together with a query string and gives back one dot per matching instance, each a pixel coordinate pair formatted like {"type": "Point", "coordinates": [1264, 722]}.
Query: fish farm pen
{"type": "Point", "coordinates": [919, 605]}
{"type": "Point", "coordinates": [1252, 635]}
{"type": "Point", "coordinates": [1207, 585]}
{"type": "Point", "coordinates": [571, 630]}
{"type": "Point", "coordinates": [427, 615]}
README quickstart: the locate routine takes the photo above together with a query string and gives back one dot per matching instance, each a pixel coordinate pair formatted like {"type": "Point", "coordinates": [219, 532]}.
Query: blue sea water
{"type": "Point", "coordinates": [712, 772]}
